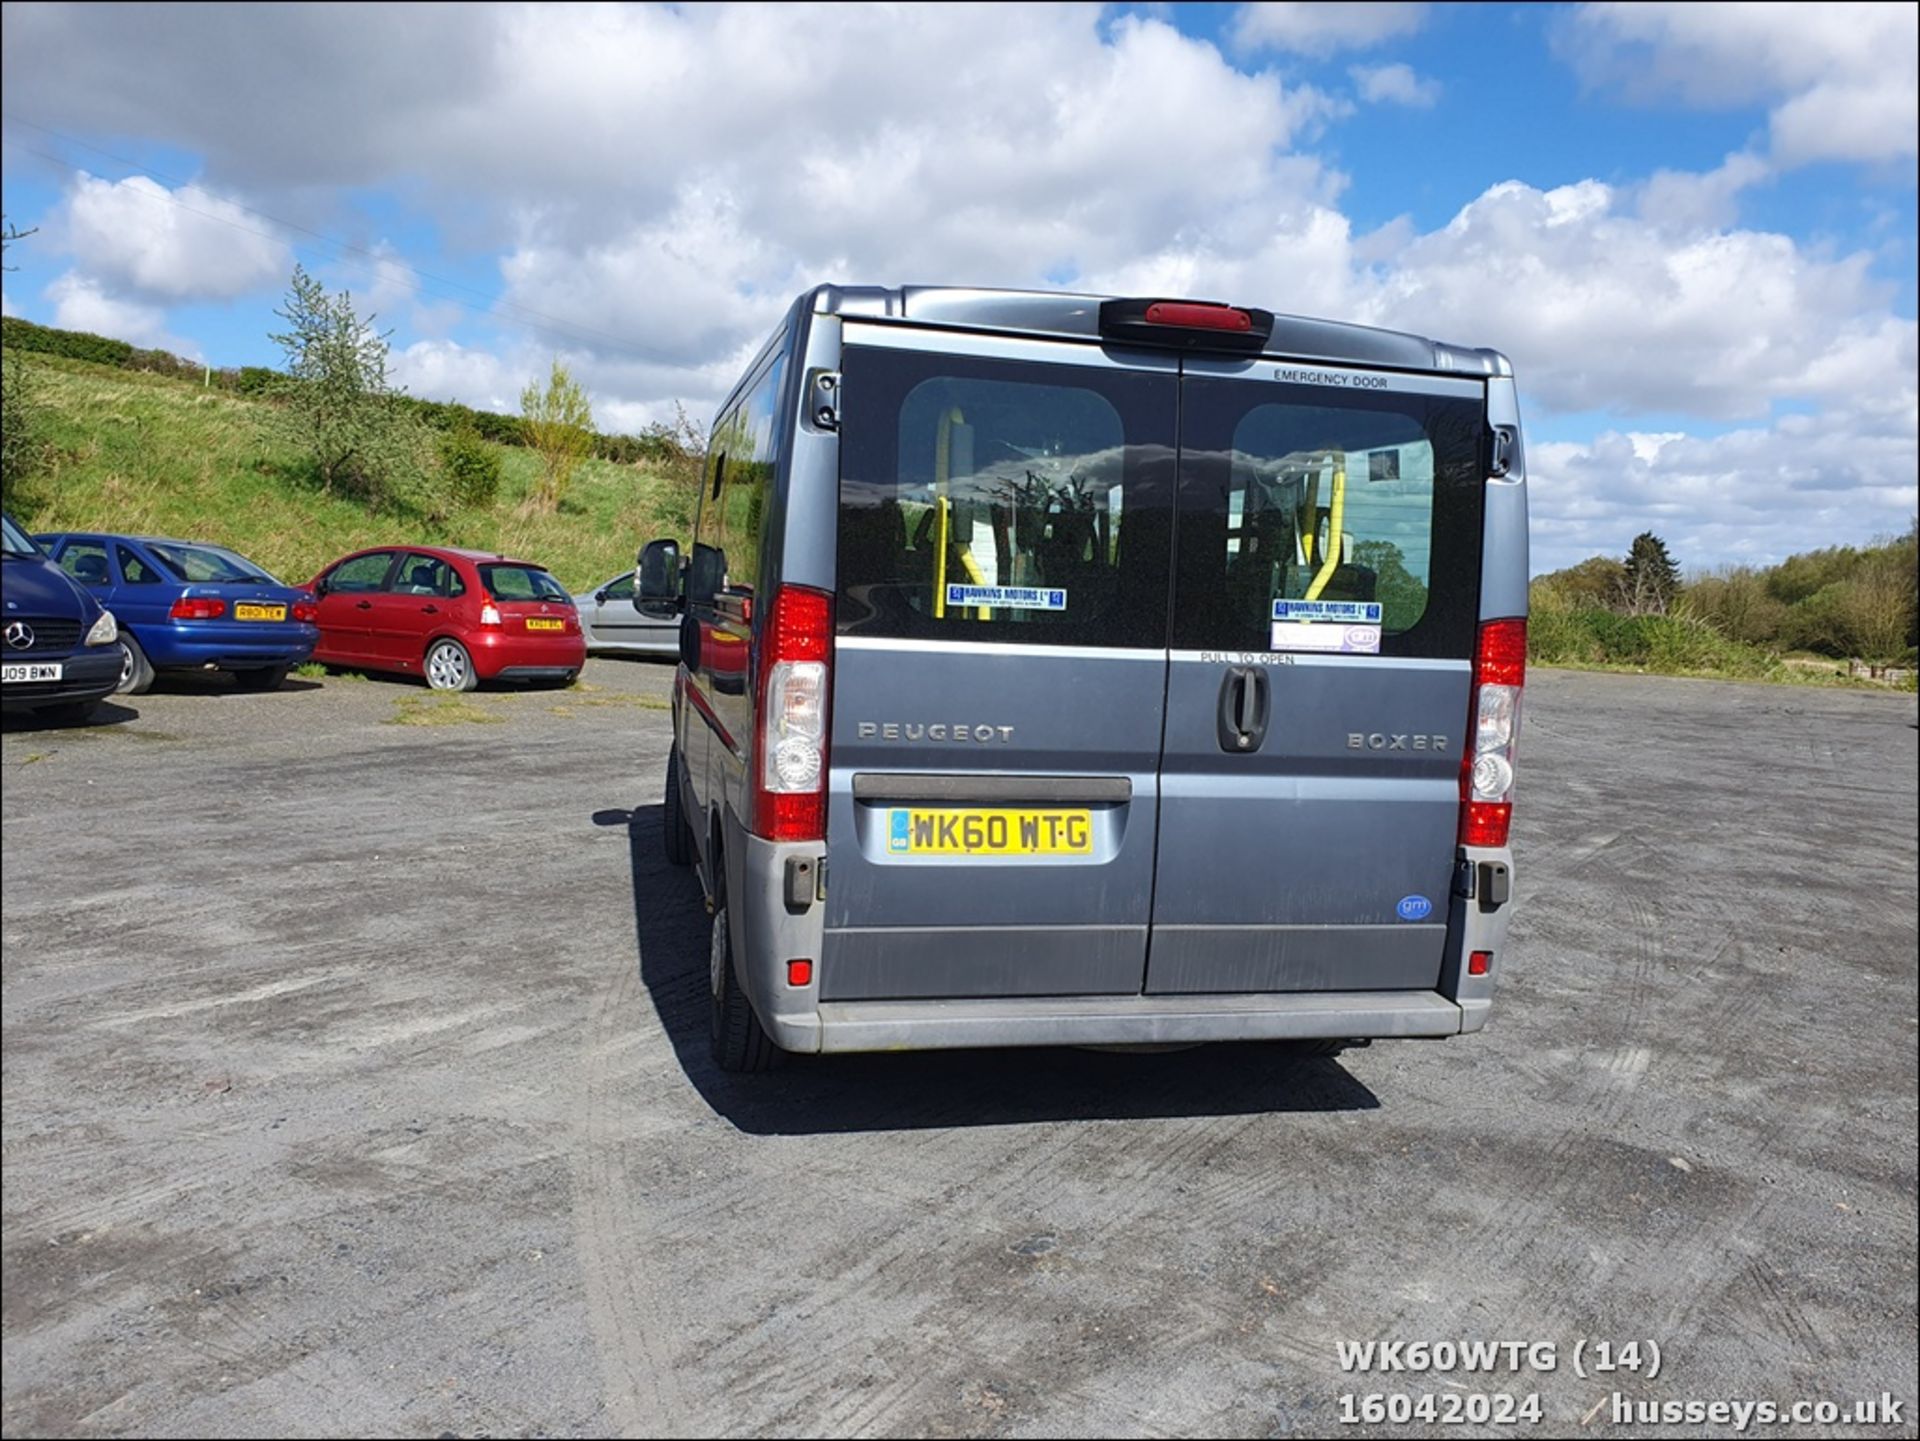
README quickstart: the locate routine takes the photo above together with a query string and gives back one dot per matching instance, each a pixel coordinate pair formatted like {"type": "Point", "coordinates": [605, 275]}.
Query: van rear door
{"type": "Point", "coordinates": [1325, 599]}
{"type": "Point", "coordinates": [1004, 553]}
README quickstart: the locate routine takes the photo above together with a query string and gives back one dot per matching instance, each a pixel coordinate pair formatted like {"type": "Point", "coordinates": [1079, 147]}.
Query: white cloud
{"type": "Point", "coordinates": [1685, 200]}
{"type": "Point", "coordinates": [1604, 310]}
{"type": "Point", "coordinates": [1309, 28]}
{"type": "Point", "coordinates": [81, 303]}
{"type": "Point", "coordinates": [1753, 495]}
{"type": "Point", "coordinates": [1395, 84]}
{"type": "Point", "coordinates": [7, 307]}
{"type": "Point", "coordinates": [177, 245]}
{"type": "Point", "coordinates": [1840, 78]}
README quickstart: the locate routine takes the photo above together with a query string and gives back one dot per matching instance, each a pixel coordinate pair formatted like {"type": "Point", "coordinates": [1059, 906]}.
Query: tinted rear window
{"type": "Point", "coordinates": [521, 582]}
{"type": "Point", "coordinates": [205, 564]}
{"type": "Point", "coordinates": [1004, 500]}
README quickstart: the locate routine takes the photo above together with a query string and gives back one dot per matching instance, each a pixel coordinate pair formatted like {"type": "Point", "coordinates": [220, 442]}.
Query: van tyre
{"type": "Point", "coordinates": [740, 1044]}
{"type": "Point", "coordinates": [675, 838]}
{"type": "Point", "coordinates": [136, 671]}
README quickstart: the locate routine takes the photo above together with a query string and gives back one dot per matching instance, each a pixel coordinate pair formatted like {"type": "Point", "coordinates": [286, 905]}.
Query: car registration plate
{"type": "Point", "coordinates": [536, 623]}
{"type": "Point", "coordinates": [946, 831]}
{"type": "Point", "coordinates": [30, 671]}
{"type": "Point", "coordinates": [245, 610]}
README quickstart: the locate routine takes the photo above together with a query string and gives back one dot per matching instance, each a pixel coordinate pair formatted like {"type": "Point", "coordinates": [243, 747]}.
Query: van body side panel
{"type": "Point", "coordinates": [1315, 851]}
{"type": "Point", "coordinates": [1005, 535]}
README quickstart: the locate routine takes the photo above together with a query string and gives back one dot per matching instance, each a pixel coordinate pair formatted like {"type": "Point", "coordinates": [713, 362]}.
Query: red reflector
{"type": "Point", "coordinates": [1502, 656]}
{"type": "Point", "coordinates": [1485, 823]}
{"type": "Point", "coordinates": [800, 973]}
{"type": "Point", "coordinates": [1478, 963]}
{"type": "Point", "coordinates": [1195, 316]}
{"type": "Point", "coordinates": [198, 607]}
{"type": "Point", "coordinates": [792, 815]}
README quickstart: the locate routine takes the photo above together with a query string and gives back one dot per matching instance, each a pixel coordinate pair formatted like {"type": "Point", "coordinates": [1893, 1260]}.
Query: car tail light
{"type": "Point", "coordinates": [1486, 773]}
{"type": "Point", "coordinates": [489, 612]}
{"type": "Point", "coordinates": [306, 612]}
{"type": "Point", "coordinates": [790, 760]}
{"type": "Point", "coordinates": [1479, 963]}
{"type": "Point", "coordinates": [198, 607]}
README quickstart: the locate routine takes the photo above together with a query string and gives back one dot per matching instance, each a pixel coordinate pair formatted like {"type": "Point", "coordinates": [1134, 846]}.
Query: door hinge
{"type": "Point", "coordinates": [823, 399]}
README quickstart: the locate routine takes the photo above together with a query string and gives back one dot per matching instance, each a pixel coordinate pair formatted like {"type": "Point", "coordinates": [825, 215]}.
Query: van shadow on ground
{"type": "Point", "coordinates": [815, 1094]}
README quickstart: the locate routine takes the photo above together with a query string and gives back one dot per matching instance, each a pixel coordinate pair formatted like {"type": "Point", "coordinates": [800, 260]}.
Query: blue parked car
{"type": "Point", "coordinates": [59, 654]}
{"type": "Point", "coordinates": [187, 605]}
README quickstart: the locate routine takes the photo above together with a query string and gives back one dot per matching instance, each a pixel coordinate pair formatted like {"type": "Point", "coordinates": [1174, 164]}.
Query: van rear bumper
{"type": "Point", "coordinates": [1118, 1020]}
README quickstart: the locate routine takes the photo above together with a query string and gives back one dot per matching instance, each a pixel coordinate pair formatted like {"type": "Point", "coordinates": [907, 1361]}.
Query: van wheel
{"type": "Point", "coordinates": [675, 839]}
{"type": "Point", "coordinates": [136, 672]}
{"type": "Point", "coordinates": [739, 1042]}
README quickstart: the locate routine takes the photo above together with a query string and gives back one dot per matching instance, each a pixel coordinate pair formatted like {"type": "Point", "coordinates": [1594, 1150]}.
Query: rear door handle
{"type": "Point", "coordinates": [1244, 707]}
{"type": "Point", "coordinates": [430, 609]}
{"type": "Point", "coordinates": [364, 605]}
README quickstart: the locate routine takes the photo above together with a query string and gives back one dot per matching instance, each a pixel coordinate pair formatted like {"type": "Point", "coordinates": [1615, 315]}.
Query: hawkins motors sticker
{"type": "Point", "coordinates": [1341, 627]}
{"type": "Point", "coordinates": [1007, 597]}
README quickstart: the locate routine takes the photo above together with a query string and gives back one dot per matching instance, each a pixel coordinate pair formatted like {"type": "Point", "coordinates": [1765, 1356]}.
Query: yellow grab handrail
{"type": "Point", "coordinates": [1336, 515]}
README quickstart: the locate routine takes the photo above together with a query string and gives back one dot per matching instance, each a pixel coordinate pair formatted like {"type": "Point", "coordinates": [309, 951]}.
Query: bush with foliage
{"type": "Point", "coordinates": [472, 468]}
{"type": "Point", "coordinates": [74, 344]}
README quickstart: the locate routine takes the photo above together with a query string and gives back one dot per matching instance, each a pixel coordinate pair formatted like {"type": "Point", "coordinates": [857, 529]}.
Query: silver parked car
{"type": "Point", "coordinates": [613, 622]}
{"type": "Point", "coordinates": [1060, 669]}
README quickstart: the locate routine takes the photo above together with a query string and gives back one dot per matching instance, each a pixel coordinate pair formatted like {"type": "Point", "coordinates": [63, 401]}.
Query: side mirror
{"type": "Point", "coordinates": [319, 586]}
{"type": "Point", "coordinates": [659, 581]}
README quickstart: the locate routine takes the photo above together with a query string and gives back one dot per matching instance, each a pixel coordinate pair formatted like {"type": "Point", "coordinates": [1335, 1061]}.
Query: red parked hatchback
{"type": "Point", "coordinates": [458, 617]}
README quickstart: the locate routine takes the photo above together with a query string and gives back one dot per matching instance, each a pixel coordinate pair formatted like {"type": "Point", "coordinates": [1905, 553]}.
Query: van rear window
{"type": "Point", "coordinates": [1004, 500]}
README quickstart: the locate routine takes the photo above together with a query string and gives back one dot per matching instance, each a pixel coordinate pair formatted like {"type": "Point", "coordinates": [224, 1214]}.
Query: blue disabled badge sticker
{"type": "Point", "coordinates": [1414, 908]}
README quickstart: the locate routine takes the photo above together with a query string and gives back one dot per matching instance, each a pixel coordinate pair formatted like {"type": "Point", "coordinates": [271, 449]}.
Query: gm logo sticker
{"type": "Point", "coordinates": [1414, 908]}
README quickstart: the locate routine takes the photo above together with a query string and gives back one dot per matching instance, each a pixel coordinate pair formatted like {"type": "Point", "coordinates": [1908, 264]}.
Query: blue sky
{"type": "Point", "coordinates": [1692, 227]}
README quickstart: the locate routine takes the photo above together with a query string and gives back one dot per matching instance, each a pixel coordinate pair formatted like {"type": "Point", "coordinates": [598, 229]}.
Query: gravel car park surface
{"type": "Point", "coordinates": [339, 1098]}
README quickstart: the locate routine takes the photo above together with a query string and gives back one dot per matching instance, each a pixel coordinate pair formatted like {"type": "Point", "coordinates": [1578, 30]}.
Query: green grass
{"type": "Point", "coordinates": [1677, 645]}
{"type": "Point", "coordinates": [310, 670]}
{"type": "Point", "coordinates": [150, 454]}
{"type": "Point", "coordinates": [439, 710]}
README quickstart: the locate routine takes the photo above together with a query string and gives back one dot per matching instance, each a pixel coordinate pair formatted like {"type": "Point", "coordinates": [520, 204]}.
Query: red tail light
{"type": "Point", "coordinates": [1493, 731]}
{"type": "Point", "coordinates": [306, 612]}
{"type": "Point", "coordinates": [791, 693]}
{"type": "Point", "coordinates": [198, 607]}
{"type": "Point", "coordinates": [489, 612]}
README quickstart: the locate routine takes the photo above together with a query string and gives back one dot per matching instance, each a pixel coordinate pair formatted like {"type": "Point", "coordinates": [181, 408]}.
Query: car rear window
{"type": "Point", "coordinates": [1004, 500]}
{"type": "Point", "coordinates": [521, 582]}
{"type": "Point", "coordinates": [206, 565]}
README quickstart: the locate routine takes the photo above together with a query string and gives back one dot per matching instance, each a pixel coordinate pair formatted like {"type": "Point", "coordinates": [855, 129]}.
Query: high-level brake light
{"type": "Point", "coordinates": [1486, 773]}
{"type": "Point", "coordinates": [1186, 324]}
{"type": "Point", "coordinates": [790, 760]}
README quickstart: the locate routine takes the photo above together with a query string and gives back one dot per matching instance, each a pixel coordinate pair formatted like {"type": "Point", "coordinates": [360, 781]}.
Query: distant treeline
{"type": "Point", "coordinates": [657, 444]}
{"type": "Point", "coordinates": [1844, 601]}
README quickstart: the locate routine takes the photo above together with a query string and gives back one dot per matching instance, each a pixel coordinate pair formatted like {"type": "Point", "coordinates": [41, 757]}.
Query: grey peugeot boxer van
{"type": "Point", "coordinates": [1060, 669]}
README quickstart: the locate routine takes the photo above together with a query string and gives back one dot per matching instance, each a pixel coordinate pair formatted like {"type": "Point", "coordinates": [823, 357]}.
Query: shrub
{"type": "Point", "coordinates": [472, 468]}
{"type": "Point", "coordinates": [75, 344]}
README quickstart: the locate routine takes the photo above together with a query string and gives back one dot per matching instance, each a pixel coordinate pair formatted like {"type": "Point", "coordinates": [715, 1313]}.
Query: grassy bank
{"type": "Point", "coordinates": [151, 454]}
{"type": "Point", "coordinates": [1590, 638]}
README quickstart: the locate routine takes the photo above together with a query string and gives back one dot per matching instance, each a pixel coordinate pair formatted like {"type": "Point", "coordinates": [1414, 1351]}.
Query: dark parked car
{"type": "Point", "coordinates": [60, 653]}
{"type": "Point", "coordinates": [457, 617]}
{"type": "Point", "coordinates": [187, 605]}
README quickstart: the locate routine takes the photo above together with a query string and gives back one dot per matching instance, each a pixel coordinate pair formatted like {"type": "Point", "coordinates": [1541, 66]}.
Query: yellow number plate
{"type": "Point", "coordinates": [244, 611]}
{"type": "Point", "coordinates": [537, 624]}
{"type": "Point", "coordinates": [917, 831]}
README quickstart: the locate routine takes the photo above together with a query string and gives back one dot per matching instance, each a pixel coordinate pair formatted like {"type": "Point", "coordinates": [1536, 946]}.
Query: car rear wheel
{"type": "Point", "coordinates": [449, 667]}
{"type": "Point", "coordinates": [136, 672]}
{"type": "Point", "coordinates": [676, 840]}
{"type": "Point", "coordinates": [261, 679]}
{"type": "Point", "coordinates": [739, 1042]}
